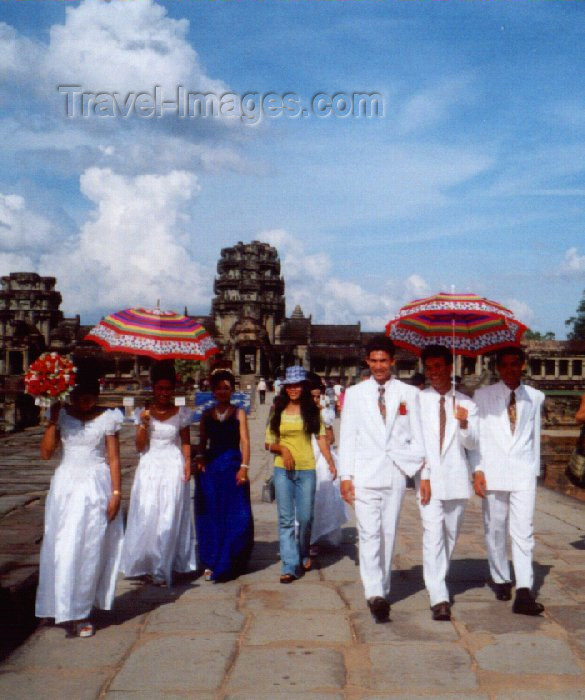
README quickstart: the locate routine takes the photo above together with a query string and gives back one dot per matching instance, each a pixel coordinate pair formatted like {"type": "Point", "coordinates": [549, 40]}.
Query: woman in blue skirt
{"type": "Point", "coordinates": [223, 514]}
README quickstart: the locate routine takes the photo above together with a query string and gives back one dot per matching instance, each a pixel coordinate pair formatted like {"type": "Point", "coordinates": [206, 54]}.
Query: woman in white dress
{"type": "Point", "coordinates": [329, 511]}
{"type": "Point", "coordinates": [160, 536]}
{"type": "Point", "coordinates": [83, 533]}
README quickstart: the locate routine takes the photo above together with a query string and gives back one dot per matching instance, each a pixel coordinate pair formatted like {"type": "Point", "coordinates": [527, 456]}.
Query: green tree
{"type": "Point", "coordinates": [576, 324]}
{"type": "Point", "coordinates": [537, 335]}
{"type": "Point", "coordinates": [189, 369]}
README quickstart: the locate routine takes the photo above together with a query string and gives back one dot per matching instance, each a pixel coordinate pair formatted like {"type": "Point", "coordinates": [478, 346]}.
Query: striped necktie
{"type": "Point", "coordinates": [512, 411]}
{"type": "Point", "coordinates": [442, 422]}
{"type": "Point", "coordinates": [382, 402]}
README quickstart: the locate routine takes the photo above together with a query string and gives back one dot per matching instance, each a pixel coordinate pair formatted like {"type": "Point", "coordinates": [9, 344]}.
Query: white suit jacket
{"type": "Point", "coordinates": [367, 446]}
{"type": "Point", "coordinates": [450, 471]}
{"type": "Point", "coordinates": [510, 461]}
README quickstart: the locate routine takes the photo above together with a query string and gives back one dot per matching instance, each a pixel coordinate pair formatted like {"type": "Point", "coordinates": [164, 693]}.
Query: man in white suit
{"type": "Point", "coordinates": [508, 465]}
{"type": "Point", "coordinates": [449, 424]}
{"type": "Point", "coordinates": [380, 443]}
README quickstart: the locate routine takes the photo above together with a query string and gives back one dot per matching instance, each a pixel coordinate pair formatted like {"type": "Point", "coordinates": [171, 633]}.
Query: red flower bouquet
{"type": "Point", "coordinates": [50, 378]}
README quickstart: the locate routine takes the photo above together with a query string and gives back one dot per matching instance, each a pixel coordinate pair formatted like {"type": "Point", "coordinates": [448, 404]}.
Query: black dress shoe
{"type": "Point", "coordinates": [441, 611]}
{"type": "Point", "coordinates": [380, 608]}
{"type": "Point", "coordinates": [503, 591]}
{"type": "Point", "coordinates": [525, 604]}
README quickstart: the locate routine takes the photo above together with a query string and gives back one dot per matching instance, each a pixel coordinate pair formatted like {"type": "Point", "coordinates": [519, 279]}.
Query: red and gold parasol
{"type": "Point", "coordinates": [467, 324]}
{"type": "Point", "coordinates": [162, 335]}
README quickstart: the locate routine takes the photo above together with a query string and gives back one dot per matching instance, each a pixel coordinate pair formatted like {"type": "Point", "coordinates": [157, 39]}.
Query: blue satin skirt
{"type": "Point", "coordinates": [223, 517]}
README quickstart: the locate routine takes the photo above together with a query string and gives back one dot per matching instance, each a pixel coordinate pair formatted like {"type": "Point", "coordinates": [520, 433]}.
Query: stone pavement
{"type": "Point", "coordinates": [256, 639]}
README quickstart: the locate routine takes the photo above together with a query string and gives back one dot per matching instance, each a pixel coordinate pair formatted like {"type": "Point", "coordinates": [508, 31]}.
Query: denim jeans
{"type": "Point", "coordinates": [295, 495]}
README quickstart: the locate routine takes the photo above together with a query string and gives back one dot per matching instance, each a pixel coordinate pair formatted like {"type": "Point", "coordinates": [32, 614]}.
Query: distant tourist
{"type": "Point", "coordinates": [160, 536]}
{"type": "Point", "coordinates": [262, 390]}
{"type": "Point", "coordinates": [223, 514]}
{"type": "Point", "coordinates": [83, 524]}
{"type": "Point", "coordinates": [294, 420]}
{"type": "Point", "coordinates": [508, 464]}
{"type": "Point", "coordinates": [330, 393]}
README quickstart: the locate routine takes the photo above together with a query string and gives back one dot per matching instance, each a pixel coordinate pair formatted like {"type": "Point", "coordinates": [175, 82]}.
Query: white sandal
{"type": "Point", "coordinates": [84, 629]}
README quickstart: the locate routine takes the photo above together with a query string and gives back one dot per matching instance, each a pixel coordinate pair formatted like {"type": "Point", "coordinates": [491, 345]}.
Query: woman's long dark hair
{"type": "Point", "coordinates": [310, 412]}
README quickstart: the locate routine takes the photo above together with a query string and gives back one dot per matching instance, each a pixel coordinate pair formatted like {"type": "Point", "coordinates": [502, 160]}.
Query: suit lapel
{"type": "Point", "coordinates": [523, 405]}
{"type": "Point", "coordinates": [432, 416]}
{"type": "Point", "coordinates": [501, 410]}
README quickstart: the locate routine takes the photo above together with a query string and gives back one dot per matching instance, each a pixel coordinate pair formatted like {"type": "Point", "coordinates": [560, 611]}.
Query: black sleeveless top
{"type": "Point", "coordinates": [222, 435]}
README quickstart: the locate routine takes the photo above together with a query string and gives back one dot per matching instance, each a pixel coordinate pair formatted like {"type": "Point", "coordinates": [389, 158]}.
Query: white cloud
{"type": "Point", "coordinates": [12, 262]}
{"type": "Point", "coordinates": [416, 288]}
{"type": "Point", "coordinates": [134, 247]}
{"type": "Point", "coordinates": [123, 46]}
{"type": "Point", "coordinates": [521, 310]}
{"type": "Point", "coordinates": [428, 107]}
{"type": "Point", "coordinates": [328, 299]}
{"type": "Point", "coordinates": [573, 263]}
{"type": "Point", "coordinates": [18, 55]}
{"type": "Point", "coordinates": [21, 229]}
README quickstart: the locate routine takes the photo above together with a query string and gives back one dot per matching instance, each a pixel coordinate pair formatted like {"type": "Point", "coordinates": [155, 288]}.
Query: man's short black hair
{"type": "Point", "coordinates": [437, 351]}
{"type": "Point", "coordinates": [510, 350]}
{"type": "Point", "coordinates": [380, 343]}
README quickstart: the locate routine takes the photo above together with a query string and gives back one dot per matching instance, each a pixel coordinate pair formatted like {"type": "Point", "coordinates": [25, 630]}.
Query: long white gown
{"type": "Point", "coordinates": [329, 511]}
{"type": "Point", "coordinates": [81, 551]}
{"type": "Point", "coordinates": [160, 534]}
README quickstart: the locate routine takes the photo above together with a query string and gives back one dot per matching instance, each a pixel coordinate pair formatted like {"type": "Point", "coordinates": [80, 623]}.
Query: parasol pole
{"type": "Point", "coordinates": [453, 364]}
{"type": "Point", "coordinates": [453, 351]}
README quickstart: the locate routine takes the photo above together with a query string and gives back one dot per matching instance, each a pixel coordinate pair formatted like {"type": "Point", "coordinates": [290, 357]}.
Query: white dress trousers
{"type": "Point", "coordinates": [377, 511]}
{"type": "Point", "coordinates": [513, 512]}
{"type": "Point", "coordinates": [441, 524]}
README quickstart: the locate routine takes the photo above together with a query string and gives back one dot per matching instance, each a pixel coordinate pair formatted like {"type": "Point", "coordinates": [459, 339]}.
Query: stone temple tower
{"type": "Point", "coordinates": [249, 306]}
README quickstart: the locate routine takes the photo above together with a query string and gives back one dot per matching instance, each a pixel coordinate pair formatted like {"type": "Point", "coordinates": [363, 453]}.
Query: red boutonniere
{"type": "Point", "coordinates": [402, 409]}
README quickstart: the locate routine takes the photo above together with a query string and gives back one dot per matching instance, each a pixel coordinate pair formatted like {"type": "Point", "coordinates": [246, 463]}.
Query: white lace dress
{"type": "Point", "coordinates": [160, 534]}
{"type": "Point", "coordinates": [81, 551]}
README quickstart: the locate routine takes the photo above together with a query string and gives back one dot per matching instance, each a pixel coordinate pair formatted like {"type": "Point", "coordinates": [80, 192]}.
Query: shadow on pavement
{"type": "Point", "coordinates": [142, 599]}
{"type": "Point", "coordinates": [330, 554]}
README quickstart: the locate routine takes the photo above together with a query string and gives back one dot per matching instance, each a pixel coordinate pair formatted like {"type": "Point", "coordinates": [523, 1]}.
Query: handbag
{"type": "Point", "coordinates": [575, 471]}
{"type": "Point", "coordinates": [268, 492]}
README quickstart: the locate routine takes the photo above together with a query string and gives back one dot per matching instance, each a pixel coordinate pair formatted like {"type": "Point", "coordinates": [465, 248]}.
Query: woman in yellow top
{"type": "Point", "coordinates": [294, 419]}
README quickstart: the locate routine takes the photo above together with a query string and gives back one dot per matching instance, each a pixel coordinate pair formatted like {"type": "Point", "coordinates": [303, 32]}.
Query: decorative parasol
{"type": "Point", "coordinates": [465, 323]}
{"type": "Point", "coordinates": [162, 335]}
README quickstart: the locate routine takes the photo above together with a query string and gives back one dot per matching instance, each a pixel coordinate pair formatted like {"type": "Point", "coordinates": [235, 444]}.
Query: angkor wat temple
{"type": "Point", "coordinates": [248, 320]}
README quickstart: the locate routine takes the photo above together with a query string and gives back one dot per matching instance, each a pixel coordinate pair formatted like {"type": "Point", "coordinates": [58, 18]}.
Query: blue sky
{"type": "Point", "coordinates": [474, 178]}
